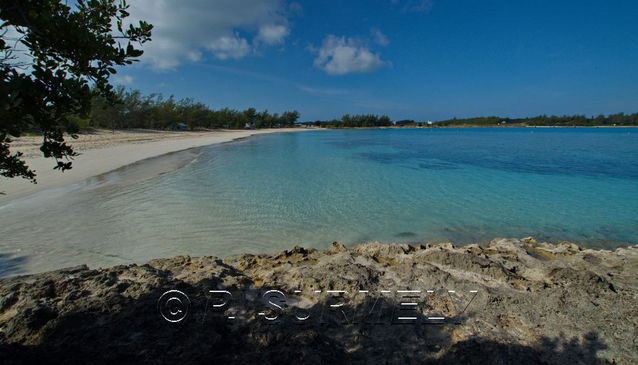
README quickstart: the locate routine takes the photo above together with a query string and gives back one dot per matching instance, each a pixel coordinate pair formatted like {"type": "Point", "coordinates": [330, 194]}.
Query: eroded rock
{"type": "Point", "coordinates": [508, 301]}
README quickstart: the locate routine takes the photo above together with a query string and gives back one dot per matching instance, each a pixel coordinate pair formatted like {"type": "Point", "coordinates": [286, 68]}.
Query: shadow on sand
{"type": "Point", "coordinates": [119, 329]}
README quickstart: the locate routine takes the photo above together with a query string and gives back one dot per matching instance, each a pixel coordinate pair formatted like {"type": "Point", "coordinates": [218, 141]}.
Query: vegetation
{"type": "Point", "coordinates": [618, 119]}
{"type": "Point", "coordinates": [368, 120]}
{"type": "Point", "coordinates": [134, 110]}
{"type": "Point", "coordinates": [412, 124]}
{"type": "Point", "coordinates": [54, 59]}
{"type": "Point", "coordinates": [405, 123]}
{"type": "Point", "coordinates": [354, 121]}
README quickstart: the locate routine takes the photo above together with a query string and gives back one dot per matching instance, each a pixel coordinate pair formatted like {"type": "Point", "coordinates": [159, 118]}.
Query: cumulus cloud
{"type": "Point", "coordinates": [227, 29]}
{"type": "Point", "coordinates": [272, 33]}
{"type": "Point", "coordinates": [380, 38]}
{"type": "Point", "coordinates": [226, 47]}
{"type": "Point", "coordinates": [341, 55]}
{"type": "Point", "coordinates": [123, 79]}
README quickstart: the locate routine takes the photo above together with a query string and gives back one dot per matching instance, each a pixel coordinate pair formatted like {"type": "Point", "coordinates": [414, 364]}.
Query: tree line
{"type": "Point", "coordinates": [132, 109]}
{"type": "Point", "coordinates": [617, 119]}
{"type": "Point", "coordinates": [371, 120]}
{"type": "Point", "coordinates": [354, 121]}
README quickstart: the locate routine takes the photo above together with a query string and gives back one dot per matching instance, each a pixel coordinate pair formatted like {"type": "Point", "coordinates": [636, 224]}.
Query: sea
{"type": "Point", "coordinates": [268, 193]}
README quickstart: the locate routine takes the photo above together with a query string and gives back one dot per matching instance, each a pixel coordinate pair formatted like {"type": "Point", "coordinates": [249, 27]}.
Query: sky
{"type": "Point", "coordinates": [409, 59]}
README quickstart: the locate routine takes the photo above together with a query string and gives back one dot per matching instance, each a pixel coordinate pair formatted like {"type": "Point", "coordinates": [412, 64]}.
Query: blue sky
{"type": "Point", "coordinates": [410, 59]}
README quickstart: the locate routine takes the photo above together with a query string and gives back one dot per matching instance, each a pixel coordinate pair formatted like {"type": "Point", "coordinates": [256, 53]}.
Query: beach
{"type": "Point", "coordinates": [102, 151]}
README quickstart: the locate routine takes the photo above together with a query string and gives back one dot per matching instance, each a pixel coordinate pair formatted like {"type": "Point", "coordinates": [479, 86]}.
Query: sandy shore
{"type": "Point", "coordinates": [102, 151]}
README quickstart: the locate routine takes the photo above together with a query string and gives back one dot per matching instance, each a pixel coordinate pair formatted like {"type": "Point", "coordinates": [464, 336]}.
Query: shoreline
{"type": "Point", "coordinates": [503, 302]}
{"type": "Point", "coordinates": [101, 156]}
{"type": "Point", "coordinates": [466, 126]}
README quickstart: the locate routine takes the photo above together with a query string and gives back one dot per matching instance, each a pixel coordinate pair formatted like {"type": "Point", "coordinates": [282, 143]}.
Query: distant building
{"type": "Point", "coordinates": [249, 126]}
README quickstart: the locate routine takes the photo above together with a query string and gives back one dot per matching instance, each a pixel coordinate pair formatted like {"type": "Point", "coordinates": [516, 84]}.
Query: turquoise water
{"type": "Point", "coordinates": [270, 192]}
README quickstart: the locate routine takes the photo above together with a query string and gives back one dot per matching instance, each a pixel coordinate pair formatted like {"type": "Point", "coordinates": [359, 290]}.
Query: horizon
{"type": "Point", "coordinates": [409, 59]}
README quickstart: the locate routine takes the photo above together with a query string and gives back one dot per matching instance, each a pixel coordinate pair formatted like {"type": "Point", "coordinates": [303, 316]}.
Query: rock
{"type": "Point", "coordinates": [7, 300]}
{"type": "Point", "coordinates": [338, 247]}
{"type": "Point", "coordinates": [534, 302]}
{"type": "Point", "coordinates": [38, 316]}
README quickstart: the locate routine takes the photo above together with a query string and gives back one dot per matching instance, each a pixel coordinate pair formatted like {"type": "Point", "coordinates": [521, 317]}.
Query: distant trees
{"type": "Point", "coordinates": [370, 120]}
{"type": "Point", "coordinates": [406, 122]}
{"type": "Point", "coordinates": [355, 121]}
{"type": "Point", "coordinates": [618, 119]}
{"type": "Point", "coordinates": [134, 110]}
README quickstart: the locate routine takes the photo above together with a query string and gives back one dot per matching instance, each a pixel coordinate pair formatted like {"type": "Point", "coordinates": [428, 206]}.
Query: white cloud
{"type": "Point", "coordinates": [194, 55]}
{"type": "Point", "coordinates": [341, 55]}
{"type": "Point", "coordinates": [229, 47]}
{"type": "Point", "coordinates": [123, 79]}
{"type": "Point", "coordinates": [272, 33]}
{"type": "Point", "coordinates": [228, 29]}
{"type": "Point", "coordinates": [380, 38]}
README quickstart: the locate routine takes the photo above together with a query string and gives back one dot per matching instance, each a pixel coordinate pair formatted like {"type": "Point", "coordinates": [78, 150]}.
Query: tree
{"type": "Point", "coordinates": [71, 52]}
{"type": "Point", "coordinates": [290, 118]}
{"type": "Point", "coordinates": [251, 115]}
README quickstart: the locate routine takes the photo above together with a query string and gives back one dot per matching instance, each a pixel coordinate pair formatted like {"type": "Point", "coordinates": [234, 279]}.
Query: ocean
{"type": "Point", "coordinates": [270, 192]}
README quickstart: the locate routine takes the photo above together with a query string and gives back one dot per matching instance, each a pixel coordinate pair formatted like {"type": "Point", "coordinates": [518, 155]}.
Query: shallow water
{"type": "Point", "coordinates": [270, 192]}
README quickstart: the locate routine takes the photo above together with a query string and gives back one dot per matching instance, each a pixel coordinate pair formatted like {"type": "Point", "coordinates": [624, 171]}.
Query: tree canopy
{"type": "Point", "coordinates": [54, 58]}
{"type": "Point", "coordinates": [618, 119]}
{"type": "Point", "coordinates": [134, 110]}
{"type": "Point", "coordinates": [355, 121]}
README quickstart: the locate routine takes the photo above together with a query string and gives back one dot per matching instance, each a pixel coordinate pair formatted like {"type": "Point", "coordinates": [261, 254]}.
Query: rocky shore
{"type": "Point", "coordinates": [511, 301]}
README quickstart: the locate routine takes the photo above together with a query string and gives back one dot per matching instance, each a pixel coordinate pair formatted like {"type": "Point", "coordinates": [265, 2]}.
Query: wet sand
{"type": "Point", "coordinates": [102, 151]}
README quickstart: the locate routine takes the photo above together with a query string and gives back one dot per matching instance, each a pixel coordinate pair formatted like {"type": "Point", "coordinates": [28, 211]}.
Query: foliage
{"type": "Point", "coordinates": [355, 121]}
{"type": "Point", "coordinates": [406, 122]}
{"type": "Point", "coordinates": [618, 119]}
{"type": "Point", "coordinates": [134, 110]}
{"type": "Point", "coordinates": [70, 54]}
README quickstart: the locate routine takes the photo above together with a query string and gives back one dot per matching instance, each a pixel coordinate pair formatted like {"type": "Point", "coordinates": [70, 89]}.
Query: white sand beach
{"type": "Point", "coordinates": [102, 151]}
